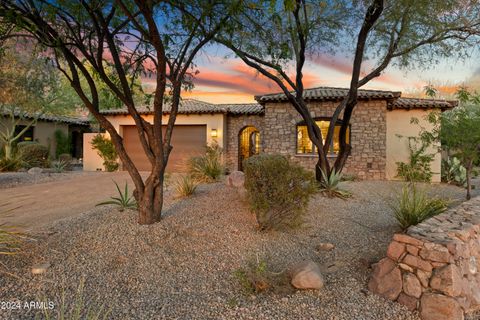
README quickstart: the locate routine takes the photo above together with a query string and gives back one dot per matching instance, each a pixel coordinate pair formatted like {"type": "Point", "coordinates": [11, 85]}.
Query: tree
{"type": "Point", "coordinates": [274, 37]}
{"type": "Point", "coordinates": [133, 37]}
{"type": "Point", "coordinates": [460, 133]}
{"type": "Point", "coordinates": [29, 87]}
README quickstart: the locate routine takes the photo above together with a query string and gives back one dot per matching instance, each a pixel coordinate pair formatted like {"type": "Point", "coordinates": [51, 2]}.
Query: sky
{"type": "Point", "coordinates": [222, 78]}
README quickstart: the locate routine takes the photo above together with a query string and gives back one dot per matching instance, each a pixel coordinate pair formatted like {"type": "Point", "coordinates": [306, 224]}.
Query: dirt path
{"type": "Point", "coordinates": [32, 206]}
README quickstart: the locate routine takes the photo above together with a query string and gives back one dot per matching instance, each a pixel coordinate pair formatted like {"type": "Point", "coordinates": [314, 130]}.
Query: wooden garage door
{"type": "Point", "coordinates": [187, 141]}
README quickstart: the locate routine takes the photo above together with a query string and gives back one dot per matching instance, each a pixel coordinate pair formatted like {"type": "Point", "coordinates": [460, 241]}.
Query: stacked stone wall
{"type": "Point", "coordinates": [434, 267]}
{"type": "Point", "coordinates": [368, 135]}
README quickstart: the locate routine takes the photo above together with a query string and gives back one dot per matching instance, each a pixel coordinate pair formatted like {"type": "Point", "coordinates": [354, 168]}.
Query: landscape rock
{"type": "Point", "coordinates": [408, 301]}
{"type": "Point", "coordinates": [395, 250]}
{"type": "Point", "coordinates": [411, 285]}
{"type": "Point", "coordinates": [307, 275]}
{"type": "Point", "coordinates": [448, 280]}
{"type": "Point", "coordinates": [236, 179]}
{"type": "Point", "coordinates": [439, 307]}
{"type": "Point", "coordinates": [386, 280]}
{"type": "Point", "coordinates": [35, 170]}
{"type": "Point", "coordinates": [40, 268]}
{"type": "Point", "coordinates": [325, 246]}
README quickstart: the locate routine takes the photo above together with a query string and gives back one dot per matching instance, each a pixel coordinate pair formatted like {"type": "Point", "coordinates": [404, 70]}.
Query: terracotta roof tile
{"type": "Point", "coordinates": [415, 103]}
{"type": "Point", "coordinates": [329, 94]}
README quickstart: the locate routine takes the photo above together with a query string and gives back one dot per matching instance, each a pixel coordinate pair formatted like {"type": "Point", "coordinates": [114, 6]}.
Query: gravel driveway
{"type": "Point", "coordinates": [183, 267]}
{"type": "Point", "coordinates": [69, 194]}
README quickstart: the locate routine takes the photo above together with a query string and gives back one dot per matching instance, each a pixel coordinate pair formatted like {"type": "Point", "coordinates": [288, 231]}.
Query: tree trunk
{"type": "Point", "coordinates": [151, 203]}
{"type": "Point", "coordinates": [469, 182]}
{"type": "Point", "coordinates": [8, 150]}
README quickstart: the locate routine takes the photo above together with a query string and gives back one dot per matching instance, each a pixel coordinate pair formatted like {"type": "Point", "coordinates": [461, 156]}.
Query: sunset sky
{"type": "Point", "coordinates": [223, 78]}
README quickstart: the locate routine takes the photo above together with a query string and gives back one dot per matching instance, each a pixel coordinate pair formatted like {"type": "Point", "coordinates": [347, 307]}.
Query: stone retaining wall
{"type": "Point", "coordinates": [434, 266]}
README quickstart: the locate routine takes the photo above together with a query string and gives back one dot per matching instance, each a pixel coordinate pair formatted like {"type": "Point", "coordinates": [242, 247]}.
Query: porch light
{"type": "Point", "coordinates": [213, 133]}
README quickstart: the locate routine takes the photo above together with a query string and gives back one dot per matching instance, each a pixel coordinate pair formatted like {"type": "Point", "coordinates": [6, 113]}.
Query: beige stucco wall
{"type": "Point", "coordinates": [43, 131]}
{"type": "Point", "coordinates": [398, 123]}
{"type": "Point", "coordinates": [212, 121]}
{"type": "Point", "coordinates": [91, 159]}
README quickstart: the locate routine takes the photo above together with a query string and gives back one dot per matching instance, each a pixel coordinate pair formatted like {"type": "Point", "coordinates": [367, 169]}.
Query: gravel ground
{"type": "Point", "coordinates": [182, 267]}
{"type": "Point", "coordinates": [15, 179]}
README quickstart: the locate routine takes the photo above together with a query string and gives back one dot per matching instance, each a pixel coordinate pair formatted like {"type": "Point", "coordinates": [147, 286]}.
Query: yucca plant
{"type": "Point", "coordinates": [329, 185]}
{"type": "Point", "coordinates": [209, 167]}
{"type": "Point", "coordinates": [413, 206]}
{"type": "Point", "coordinates": [185, 186]}
{"type": "Point", "coordinates": [123, 201]}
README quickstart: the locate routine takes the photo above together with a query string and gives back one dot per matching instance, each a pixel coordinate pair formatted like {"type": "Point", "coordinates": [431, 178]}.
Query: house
{"type": "Point", "coordinates": [43, 130]}
{"type": "Point", "coordinates": [273, 126]}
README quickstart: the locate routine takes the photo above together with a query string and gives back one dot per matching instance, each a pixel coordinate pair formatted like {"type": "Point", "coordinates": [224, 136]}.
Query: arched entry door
{"type": "Point", "coordinates": [249, 144]}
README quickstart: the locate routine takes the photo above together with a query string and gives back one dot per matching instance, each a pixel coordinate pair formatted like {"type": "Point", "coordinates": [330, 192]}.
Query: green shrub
{"type": "Point", "coordinates": [59, 166]}
{"type": "Point", "coordinates": [33, 154]}
{"type": "Point", "coordinates": [254, 278]}
{"type": "Point", "coordinates": [63, 143]}
{"type": "Point", "coordinates": [413, 206]}
{"type": "Point", "coordinates": [418, 168]}
{"type": "Point", "coordinates": [329, 186]}
{"type": "Point", "coordinates": [106, 150]}
{"type": "Point", "coordinates": [123, 201]}
{"type": "Point", "coordinates": [454, 172]}
{"type": "Point", "coordinates": [278, 190]}
{"type": "Point", "coordinates": [207, 168]}
{"type": "Point", "coordinates": [185, 186]}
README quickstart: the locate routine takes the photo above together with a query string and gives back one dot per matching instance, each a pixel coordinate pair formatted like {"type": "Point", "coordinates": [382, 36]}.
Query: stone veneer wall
{"type": "Point", "coordinates": [235, 123]}
{"type": "Point", "coordinates": [368, 135]}
{"type": "Point", "coordinates": [434, 266]}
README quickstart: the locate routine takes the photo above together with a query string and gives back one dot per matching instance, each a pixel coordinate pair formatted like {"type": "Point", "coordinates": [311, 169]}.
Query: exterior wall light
{"type": "Point", "coordinates": [213, 133]}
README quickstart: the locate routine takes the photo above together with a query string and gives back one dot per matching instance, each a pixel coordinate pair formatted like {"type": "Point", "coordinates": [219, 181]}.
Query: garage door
{"type": "Point", "coordinates": [187, 141]}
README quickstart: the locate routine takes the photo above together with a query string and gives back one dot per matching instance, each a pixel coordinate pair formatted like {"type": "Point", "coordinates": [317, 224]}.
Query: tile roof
{"type": "Point", "coordinates": [49, 118]}
{"type": "Point", "coordinates": [191, 106]}
{"type": "Point", "coordinates": [415, 103]}
{"type": "Point", "coordinates": [330, 93]}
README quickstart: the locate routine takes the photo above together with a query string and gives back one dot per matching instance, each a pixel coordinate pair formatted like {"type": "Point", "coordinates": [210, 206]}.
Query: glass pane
{"type": "Point", "coordinates": [304, 145]}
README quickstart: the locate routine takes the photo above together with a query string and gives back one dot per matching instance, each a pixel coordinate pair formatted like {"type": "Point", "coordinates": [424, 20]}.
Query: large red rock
{"type": "Point", "coordinates": [409, 302]}
{"type": "Point", "coordinates": [386, 280]}
{"type": "Point", "coordinates": [447, 280]}
{"type": "Point", "coordinates": [411, 285]}
{"type": "Point", "coordinates": [307, 275]}
{"type": "Point", "coordinates": [439, 307]}
{"type": "Point", "coordinates": [395, 250]}
{"type": "Point", "coordinates": [417, 263]}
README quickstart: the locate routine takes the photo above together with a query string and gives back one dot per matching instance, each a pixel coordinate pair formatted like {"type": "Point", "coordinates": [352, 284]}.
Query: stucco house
{"type": "Point", "coordinates": [43, 130]}
{"type": "Point", "coordinates": [273, 126]}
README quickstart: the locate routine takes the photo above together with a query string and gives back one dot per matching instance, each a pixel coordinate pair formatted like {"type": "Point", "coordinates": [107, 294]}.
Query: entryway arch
{"type": "Point", "coordinates": [248, 144]}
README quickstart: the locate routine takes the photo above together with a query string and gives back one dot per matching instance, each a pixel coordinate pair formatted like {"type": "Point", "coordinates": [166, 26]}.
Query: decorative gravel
{"type": "Point", "coordinates": [14, 179]}
{"type": "Point", "coordinates": [182, 267]}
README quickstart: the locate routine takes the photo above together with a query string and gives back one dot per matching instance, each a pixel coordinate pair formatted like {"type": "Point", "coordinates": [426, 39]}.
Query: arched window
{"type": "Point", "coordinates": [305, 145]}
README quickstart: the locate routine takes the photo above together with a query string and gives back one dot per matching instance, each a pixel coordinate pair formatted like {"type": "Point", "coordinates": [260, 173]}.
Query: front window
{"type": "Point", "coordinates": [305, 145]}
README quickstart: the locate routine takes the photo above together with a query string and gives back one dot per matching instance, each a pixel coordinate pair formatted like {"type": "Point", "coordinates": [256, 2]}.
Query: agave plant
{"type": "Point", "coordinates": [123, 201]}
{"type": "Point", "coordinates": [329, 185]}
{"type": "Point", "coordinates": [59, 166]}
{"type": "Point", "coordinates": [185, 186]}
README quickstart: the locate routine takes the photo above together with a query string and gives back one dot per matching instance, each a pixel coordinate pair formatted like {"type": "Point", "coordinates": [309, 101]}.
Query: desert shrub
{"type": "Point", "coordinates": [63, 143]}
{"type": "Point", "coordinates": [77, 309]}
{"type": "Point", "coordinates": [418, 168]}
{"type": "Point", "coordinates": [106, 151]}
{"type": "Point", "coordinates": [33, 154]}
{"type": "Point", "coordinates": [454, 172]}
{"type": "Point", "coordinates": [329, 186]}
{"type": "Point", "coordinates": [10, 238]}
{"type": "Point", "coordinates": [258, 276]}
{"type": "Point", "coordinates": [185, 186]}
{"type": "Point", "coordinates": [124, 200]}
{"type": "Point", "coordinates": [209, 167]}
{"type": "Point", "coordinates": [59, 166]}
{"type": "Point", "coordinates": [349, 177]}
{"type": "Point", "coordinates": [278, 190]}
{"type": "Point", "coordinates": [413, 206]}
{"type": "Point", "coordinates": [14, 163]}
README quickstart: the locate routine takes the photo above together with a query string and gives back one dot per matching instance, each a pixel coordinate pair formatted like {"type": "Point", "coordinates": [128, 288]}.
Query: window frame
{"type": "Point", "coordinates": [331, 153]}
